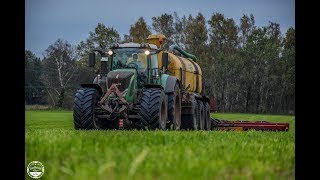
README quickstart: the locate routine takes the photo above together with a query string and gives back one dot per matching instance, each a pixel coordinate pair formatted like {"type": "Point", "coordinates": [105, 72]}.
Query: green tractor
{"type": "Point", "coordinates": [140, 87]}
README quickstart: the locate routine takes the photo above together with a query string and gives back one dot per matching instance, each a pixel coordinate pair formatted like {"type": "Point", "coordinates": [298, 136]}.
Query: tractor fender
{"type": "Point", "coordinates": [170, 84]}
{"type": "Point", "coordinates": [95, 86]}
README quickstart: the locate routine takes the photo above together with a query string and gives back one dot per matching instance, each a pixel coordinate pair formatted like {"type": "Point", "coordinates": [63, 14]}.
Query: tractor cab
{"type": "Point", "coordinates": [141, 57]}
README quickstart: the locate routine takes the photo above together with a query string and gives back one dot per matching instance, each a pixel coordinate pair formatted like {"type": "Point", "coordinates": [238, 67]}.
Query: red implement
{"type": "Point", "coordinates": [248, 125]}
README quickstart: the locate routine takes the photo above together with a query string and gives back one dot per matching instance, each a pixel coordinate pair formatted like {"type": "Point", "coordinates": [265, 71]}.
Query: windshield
{"type": "Point", "coordinates": [129, 58]}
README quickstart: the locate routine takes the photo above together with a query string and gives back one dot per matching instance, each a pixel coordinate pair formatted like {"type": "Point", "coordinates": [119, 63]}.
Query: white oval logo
{"type": "Point", "coordinates": [117, 76]}
{"type": "Point", "coordinates": [35, 169]}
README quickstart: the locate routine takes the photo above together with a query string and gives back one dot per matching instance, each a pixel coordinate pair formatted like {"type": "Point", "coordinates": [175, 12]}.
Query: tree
{"type": "Point", "coordinates": [263, 70]}
{"type": "Point", "coordinates": [179, 36]}
{"type": "Point", "coordinates": [59, 68]}
{"type": "Point", "coordinates": [139, 31]}
{"type": "Point", "coordinates": [34, 88]}
{"type": "Point", "coordinates": [223, 45]}
{"type": "Point", "coordinates": [288, 60]}
{"type": "Point", "coordinates": [247, 25]}
{"type": "Point", "coordinates": [101, 38]}
{"type": "Point", "coordinates": [164, 25]}
{"type": "Point", "coordinates": [196, 38]}
{"type": "Point", "coordinates": [223, 34]}
{"type": "Point", "coordinates": [126, 38]}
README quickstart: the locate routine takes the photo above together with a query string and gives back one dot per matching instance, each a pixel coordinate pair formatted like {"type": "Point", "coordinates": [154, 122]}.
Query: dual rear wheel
{"type": "Point", "coordinates": [198, 118]}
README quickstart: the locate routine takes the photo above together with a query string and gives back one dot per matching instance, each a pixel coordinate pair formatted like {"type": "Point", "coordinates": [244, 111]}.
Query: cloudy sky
{"type": "Point", "coordinates": [48, 20]}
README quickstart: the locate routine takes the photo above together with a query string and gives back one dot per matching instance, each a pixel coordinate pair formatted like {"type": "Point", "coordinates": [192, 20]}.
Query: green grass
{"type": "Point", "coordinates": [70, 154]}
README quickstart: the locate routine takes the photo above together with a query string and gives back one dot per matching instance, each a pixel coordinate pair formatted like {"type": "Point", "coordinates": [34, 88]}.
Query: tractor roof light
{"type": "Point", "coordinates": [145, 45]}
{"type": "Point", "coordinates": [147, 52]}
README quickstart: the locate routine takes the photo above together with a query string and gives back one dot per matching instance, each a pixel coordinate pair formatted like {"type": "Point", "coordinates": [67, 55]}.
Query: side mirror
{"type": "Point", "coordinates": [165, 59]}
{"type": "Point", "coordinates": [92, 59]}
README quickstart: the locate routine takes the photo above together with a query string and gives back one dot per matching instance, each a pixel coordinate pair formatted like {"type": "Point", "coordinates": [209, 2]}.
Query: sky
{"type": "Point", "coordinates": [72, 20]}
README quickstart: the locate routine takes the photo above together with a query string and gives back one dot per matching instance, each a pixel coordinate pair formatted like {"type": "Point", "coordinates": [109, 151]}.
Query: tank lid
{"type": "Point", "coordinates": [157, 39]}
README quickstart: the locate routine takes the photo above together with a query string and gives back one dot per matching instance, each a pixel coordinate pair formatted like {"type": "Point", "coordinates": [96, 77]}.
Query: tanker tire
{"type": "Point", "coordinates": [200, 116]}
{"type": "Point", "coordinates": [207, 125]}
{"type": "Point", "coordinates": [153, 109]}
{"type": "Point", "coordinates": [174, 108]}
{"type": "Point", "coordinates": [83, 108]}
{"type": "Point", "coordinates": [190, 121]}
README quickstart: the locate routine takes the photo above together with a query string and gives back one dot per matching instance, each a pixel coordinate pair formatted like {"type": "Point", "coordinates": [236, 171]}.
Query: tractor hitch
{"type": "Point", "coordinates": [119, 104]}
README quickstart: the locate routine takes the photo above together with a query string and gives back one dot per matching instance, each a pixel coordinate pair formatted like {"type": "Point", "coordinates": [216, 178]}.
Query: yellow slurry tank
{"type": "Point", "coordinates": [187, 71]}
{"type": "Point", "coordinates": [184, 68]}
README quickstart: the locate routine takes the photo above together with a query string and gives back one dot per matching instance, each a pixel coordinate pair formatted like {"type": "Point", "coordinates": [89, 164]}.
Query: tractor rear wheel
{"type": "Point", "coordinates": [174, 107]}
{"type": "Point", "coordinates": [83, 108]}
{"type": "Point", "coordinates": [153, 109]}
{"type": "Point", "coordinates": [190, 121]}
{"type": "Point", "coordinates": [207, 118]}
{"type": "Point", "coordinates": [201, 118]}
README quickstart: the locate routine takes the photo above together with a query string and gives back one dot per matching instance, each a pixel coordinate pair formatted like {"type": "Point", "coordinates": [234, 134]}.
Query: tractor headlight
{"type": "Point", "coordinates": [147, 52]}
{"type": "Point", "coordinates": [110, 52]}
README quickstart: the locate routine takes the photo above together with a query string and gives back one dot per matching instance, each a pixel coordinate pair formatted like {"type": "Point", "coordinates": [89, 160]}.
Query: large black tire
{"type": "Point", "coordinates": [190, 121]}
{"type": "Point", "coordinates": [153, 109]}
{"type": "Point", "coordinates": [200, 116]}
{"type": "Point", "coordinates": [83, 108]}
{"type": "Point", "coordinates": [207, 125]}
{"type": "Point", "coordinates": [174, 108]}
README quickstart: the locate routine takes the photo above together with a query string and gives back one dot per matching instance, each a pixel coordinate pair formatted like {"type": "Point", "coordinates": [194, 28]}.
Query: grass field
{"type": "Point", "coordinates": [70, 154]}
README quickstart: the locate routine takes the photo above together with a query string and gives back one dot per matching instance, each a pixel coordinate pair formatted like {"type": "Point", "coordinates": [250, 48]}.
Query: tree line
{"type": "Point", "coordinates": [245, 67]}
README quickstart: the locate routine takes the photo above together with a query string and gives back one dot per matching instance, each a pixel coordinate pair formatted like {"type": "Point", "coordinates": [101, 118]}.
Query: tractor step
{"type": "Point", "coordinates": [248, 125]}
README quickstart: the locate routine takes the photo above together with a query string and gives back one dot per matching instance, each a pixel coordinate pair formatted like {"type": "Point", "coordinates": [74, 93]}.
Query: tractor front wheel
{"type": "Point", "coordinates": [153, 109]}
{"type": "Point", "coordinates": [83, 108]}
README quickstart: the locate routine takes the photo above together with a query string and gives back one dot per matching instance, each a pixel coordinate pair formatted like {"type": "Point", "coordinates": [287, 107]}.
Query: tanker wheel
{"type": "Point", "coordinates": [153, 109]}
{"type": "Point", "coordinates": [174, 108]}
{"type": "Point", "coordinates": [207, 118]}
{"type": "Point", "coordinates": [83, 108]}
{"type": "Point", "coordinates": [200, 116]}
{"type": "Point", "coordinates": [190, 121]}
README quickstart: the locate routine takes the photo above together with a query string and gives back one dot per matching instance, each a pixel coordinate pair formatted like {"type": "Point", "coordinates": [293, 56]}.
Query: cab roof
{"type": "Point", "coordinates": [135, 45]}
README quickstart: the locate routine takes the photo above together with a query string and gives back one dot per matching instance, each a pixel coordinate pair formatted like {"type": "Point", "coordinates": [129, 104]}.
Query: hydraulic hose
{"type": "Point", "coordinates": [183, 52]}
